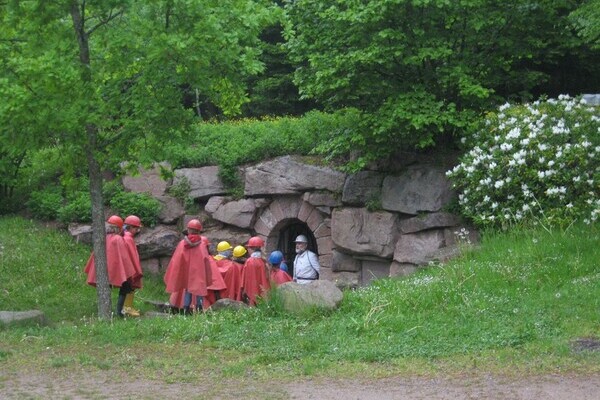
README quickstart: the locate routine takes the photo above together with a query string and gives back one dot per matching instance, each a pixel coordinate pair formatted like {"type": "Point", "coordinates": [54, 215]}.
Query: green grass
{"type": "Point", "coordinates": [511, 306]}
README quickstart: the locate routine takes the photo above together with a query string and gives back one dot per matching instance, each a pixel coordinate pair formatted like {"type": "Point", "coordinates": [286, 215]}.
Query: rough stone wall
{"type": "Point", "coordinates": [367, 225]}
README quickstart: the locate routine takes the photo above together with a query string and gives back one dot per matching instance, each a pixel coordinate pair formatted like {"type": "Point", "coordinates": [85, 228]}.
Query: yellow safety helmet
{"type": "Point", "coordinates": [239, 251]}
{"type": "Point", "coordinates": [223, 246]}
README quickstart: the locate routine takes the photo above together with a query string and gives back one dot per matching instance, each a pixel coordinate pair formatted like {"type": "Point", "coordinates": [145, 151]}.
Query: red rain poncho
{"type": "Point", "coordinates": [118, 263]}
{"type": "Point", "coordinates": [254, 279]}
{"type": "Point", "coordinates": [232, 275]}
{"type": "Point", "coordinates": [189, 268]}
{"type": "Point", "coordinates": [279, 276]}
{"type": "Point", "coordinates": [128, 237]}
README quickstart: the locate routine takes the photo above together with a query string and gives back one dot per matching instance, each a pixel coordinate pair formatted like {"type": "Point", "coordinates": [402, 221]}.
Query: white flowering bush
{"type": "Point", "coordinates": [533, 163]}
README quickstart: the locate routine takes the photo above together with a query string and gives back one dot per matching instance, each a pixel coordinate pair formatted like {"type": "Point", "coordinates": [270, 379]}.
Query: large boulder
{"type": "Point", "coordinates": [419, 189]}
{"type": "Point", "coordinates": [419, 248]}
{"type": "Point", "coordinates": [322, 199]}
{"type": "Point", "coordinates": [344, 262]}
{"type": "Point", "coordinates": [82, 233]}
{"type": "Point", "coordinates": [22, 318]}
{"type": "Point", "coordinates": [158, 241]}
{"type": "Point", "coordinates": [204, 182]}
{"type": "Point", "coordinates": [238, 213]}
{"type": "Point", "coordinates": [362, 187]}
{"type": "Point", "coordinates": [147, 181]}
{"type": "Point", "coordinates": [429, 221]}
{"type": "Point", "coordinates": [298, 298]}
{"type": "Point", "coordinates": [171, 210]}
{"type": "Point", "coordinates": [359, 231]}
{"type": "Point", "coordinates": [286, 175]}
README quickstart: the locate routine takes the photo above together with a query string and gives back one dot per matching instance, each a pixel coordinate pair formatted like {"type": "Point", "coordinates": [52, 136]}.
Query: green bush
{"type": "Point", "coordinates": [110, 189]}
{"type": "Point", "coordinates": [233, 143]}
{"type": "Point", "coordinates": [45, 204]}
{"type": "Point", "coordinates": [141, 204]}
{"type": "Point", "coordinates": [78, 209]}
{"type": "Point", "coordinates": [533, 163]}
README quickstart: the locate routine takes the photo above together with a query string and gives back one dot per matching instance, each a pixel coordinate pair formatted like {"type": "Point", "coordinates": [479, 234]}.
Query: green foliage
{"type": "Point", "coordinates": [421, 70]}
{"type": "Point", "coordinates": [111, 189]}
{"type": "Point", "coordinates": [45, 204]}
{"type": "Point", "coordinates": [233, 143]}
{"type": "Point", "coordinates": [374, 204]}
{"type": "Point", "coordinates": [181, 191]}
{"type": "Point", "coordinates": [586, 20]}
{"type": "Point", "coordinates": [105, 80]}
{"type": "Point", "coordinates": [533, 163]}
{"type": "Point", "coordinates": [273, 91]}
{"type": "Point", "coordinates": [141, 204]}
{"type": "Point", "coordinates": [77, 209]}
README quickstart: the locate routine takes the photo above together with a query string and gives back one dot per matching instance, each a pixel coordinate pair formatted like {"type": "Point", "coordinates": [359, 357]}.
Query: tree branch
{"type": "Point", "coordinates": [103, 22]}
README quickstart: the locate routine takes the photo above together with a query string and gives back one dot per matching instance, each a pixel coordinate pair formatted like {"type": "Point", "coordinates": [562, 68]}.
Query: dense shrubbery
{"type": "Point", "coordinates": [44, 204]}
{"type": "Point", "coordinates": [77, 209]}
{"type": "Point", "coordinates": [141, 204]}
{"type": "Point", "coordinates": [533, 163]}
{"type": "Point", "coordinates": [234, 143]}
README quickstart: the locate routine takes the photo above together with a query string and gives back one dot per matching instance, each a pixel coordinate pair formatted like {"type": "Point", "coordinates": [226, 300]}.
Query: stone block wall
{"type": "Point", "coordinates": [356, 244]}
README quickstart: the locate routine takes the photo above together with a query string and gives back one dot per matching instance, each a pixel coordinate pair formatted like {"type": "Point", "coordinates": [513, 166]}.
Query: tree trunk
{"type": "Point", "coordinates": [99, 232]}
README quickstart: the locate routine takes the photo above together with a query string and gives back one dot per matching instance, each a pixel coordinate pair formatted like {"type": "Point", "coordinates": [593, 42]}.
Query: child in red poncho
{"type": "Point", "coordinates": [189, 270]}
{"type": "Point", "coordinates": [255, 277]}
{"type": "Point", "coordinates": [121, 270]}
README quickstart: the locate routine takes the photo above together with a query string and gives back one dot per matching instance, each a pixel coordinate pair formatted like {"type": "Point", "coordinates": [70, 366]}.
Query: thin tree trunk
{"type": "Point", "coordinates": [99, 233]}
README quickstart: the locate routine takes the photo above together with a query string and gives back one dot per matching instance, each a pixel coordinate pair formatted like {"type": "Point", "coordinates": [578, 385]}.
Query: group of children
{"type": "Point", "coordinates": [122, 262]}
{"type": "Point", "coordinates": [195, 279]}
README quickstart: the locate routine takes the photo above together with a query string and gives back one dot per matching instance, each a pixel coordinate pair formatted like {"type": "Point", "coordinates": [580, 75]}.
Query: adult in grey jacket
{"type": "Point", "coordinates": [306, 263]}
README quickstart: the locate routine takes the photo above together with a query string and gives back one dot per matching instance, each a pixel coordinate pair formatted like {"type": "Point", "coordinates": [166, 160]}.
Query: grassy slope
{"type": "Point", "coordinates": [512, 306]}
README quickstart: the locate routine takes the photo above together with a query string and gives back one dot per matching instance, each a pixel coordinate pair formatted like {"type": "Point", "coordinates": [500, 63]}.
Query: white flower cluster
{"type": "Point", "coordinates": [532, 162]}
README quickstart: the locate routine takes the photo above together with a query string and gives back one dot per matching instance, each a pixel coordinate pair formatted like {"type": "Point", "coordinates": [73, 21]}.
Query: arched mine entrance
{"type": "Point", "coordinates": [287, 217]}
{"type": "Point", "coordinates": [285, 243]}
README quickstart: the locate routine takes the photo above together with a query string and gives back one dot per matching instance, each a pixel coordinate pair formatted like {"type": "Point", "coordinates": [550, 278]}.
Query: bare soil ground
{"type": "Point", "coordinates": [102, 385]}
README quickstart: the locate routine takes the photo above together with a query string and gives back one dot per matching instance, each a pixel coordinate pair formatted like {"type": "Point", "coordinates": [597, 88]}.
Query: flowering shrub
{"type": "Point", "coordinates": [533, 163]}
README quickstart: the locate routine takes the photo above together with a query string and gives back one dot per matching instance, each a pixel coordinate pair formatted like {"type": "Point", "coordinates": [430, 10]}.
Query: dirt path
{"type": "Point", "coordinates": [101, 385]}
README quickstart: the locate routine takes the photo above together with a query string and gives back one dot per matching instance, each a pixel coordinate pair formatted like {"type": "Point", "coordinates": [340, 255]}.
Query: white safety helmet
{"type": "Point", "coordinates": [301, 239]}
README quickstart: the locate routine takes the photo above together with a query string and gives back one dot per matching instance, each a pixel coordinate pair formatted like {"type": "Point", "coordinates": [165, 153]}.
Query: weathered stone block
{"type": "Point", "coordinates": [374, 269]}
{"type": "Point", "coordinates": [148, 181]}
{"type": "Point", "coordinates": [327, 199]}
{"type": "Point", "coordinates": [345, 262]}
{"type": "Point", "coordinates": [428, 221]}
{"type": "Point", "coordinates": [238, 213]}
{"type": "Point", "coordinates": [287, 175]}
{"type": "Point", "coordinates": [402, 269]}
{"type": "Point", "coordinates": [359, 231]}
{"type": "Point", "coordinates": [419, 189]}
{"type": "Point", "coordinates": [418, 248]}
{"type": "Point", "coordinates": [362, 187]}
{"type": "Point", "coordinates": [204, 182]}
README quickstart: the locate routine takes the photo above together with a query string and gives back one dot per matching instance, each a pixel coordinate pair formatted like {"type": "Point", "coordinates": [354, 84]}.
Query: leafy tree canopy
{"type": "Point", "coordinates": [102, 79]}
{"type": "Point", "coordinates": [420, 69]}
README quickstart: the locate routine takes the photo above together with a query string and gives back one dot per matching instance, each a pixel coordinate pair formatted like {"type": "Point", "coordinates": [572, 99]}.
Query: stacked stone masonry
{"type": "Point", "coordinates": [409, 228]}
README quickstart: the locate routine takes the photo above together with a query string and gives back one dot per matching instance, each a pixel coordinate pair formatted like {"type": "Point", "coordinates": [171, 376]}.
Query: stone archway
{"type": "Point", "coordinates": [284, 211]}
{"type": "Point", "coordinates": [288, 232]}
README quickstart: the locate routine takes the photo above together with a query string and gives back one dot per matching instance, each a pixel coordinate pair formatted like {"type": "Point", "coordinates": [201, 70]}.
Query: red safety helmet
{"type": "Point", "coordinates": [133, 220]}
{"type": "Point", "coordinates": [194, 224]}
{"type": "Point", "coordinates": [115, 220]}
{"type": "Point", "coordinates": [256, 241]}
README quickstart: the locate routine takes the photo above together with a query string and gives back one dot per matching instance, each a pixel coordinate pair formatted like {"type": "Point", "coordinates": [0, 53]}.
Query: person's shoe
{"type": "Point", "coordinates": [130, 312]}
